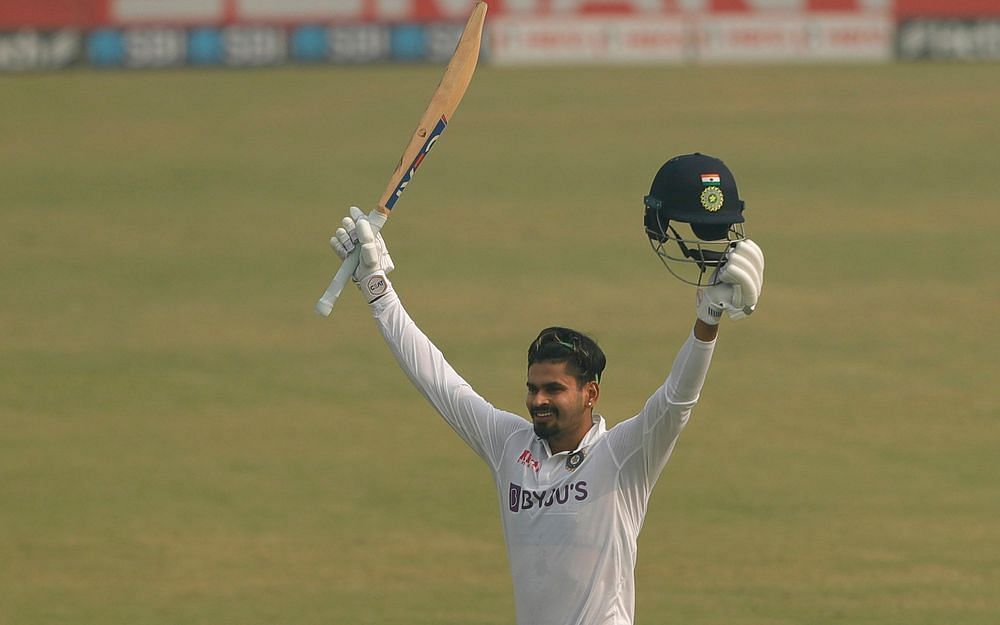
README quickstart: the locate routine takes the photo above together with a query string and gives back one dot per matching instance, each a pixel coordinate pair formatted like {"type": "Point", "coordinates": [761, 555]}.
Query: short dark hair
{"type": "Point", "coordinates": [584, 360]}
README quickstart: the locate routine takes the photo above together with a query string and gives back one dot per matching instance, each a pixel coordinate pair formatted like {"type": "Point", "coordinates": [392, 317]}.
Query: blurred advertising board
{"type": "Point", "coordinates": [795, 38]}
{"type": "Point", "coordinates": [261, 44]}
{"type": "Point", "coordinates": [967, 30]}
{"type": "Point", "coordinates": [90, 13]}
{"type": "Point", "coordinates": [949, 39]}
{"type": "Point", "coordinates": [50, 34]}
{"type": "Point", "coordinates": [728, 38]}
{"type": "Point", "coordinates": [551, 40]}
{"type": "Point", "coordinates": [31, 50]}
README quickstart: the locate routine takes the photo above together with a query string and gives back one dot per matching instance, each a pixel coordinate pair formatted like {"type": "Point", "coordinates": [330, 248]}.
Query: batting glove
{"type": "Point", "coordinates": [374, 260]}
{"type": "Point", "coordinates": [737, 285]}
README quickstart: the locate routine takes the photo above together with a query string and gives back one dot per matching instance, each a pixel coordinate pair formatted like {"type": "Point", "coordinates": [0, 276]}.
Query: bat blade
{"type": "Point", "coordinates": [402, 176]}
{"type": "Point", "coordinates": [443, 104]}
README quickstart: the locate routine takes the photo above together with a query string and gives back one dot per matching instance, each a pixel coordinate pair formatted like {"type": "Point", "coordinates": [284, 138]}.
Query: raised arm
{"type": "Point", "coordinates": [475, 420]}
{"type": "Point", "coordinates": [646, 441]}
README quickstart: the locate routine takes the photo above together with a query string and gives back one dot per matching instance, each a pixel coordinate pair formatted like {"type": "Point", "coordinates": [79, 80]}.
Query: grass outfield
{"type": "Point", "coordinates": [182, 440]}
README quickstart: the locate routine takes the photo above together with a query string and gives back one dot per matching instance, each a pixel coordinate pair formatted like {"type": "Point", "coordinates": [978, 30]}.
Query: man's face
{"type": "Point", "coordinates": [558, 405]}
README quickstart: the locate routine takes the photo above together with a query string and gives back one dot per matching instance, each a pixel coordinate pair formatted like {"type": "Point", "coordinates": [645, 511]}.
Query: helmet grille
{"type": "Point", "coordinates": [688, 257]}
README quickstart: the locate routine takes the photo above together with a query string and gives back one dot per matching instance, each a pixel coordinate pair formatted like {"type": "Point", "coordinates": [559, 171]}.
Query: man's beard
{"type": "Point", "coordinates": [548, 428]}
{"type": "Point", "coordinates": [545, 430]}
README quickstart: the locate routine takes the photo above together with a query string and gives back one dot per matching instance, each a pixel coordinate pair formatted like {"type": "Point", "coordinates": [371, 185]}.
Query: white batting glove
{"type": "Point", "coordinates": [738, 287]}
{"type": "Point", "coordinates": [345, 239]}
{"type": "Point", "coordinates": [374, 260]}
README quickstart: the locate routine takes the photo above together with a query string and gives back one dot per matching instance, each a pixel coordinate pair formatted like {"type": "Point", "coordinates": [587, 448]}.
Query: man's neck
{"type": "Point", "coordinates": [569, 441]}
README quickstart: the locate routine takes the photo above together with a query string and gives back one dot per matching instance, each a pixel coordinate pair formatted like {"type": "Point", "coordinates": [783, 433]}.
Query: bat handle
{"type": "Point", "coordinates": [325, 304]}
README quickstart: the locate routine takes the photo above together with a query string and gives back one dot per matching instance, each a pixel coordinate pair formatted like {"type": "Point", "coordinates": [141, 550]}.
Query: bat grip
{"type": "Point", "coordinates": [325, 304]}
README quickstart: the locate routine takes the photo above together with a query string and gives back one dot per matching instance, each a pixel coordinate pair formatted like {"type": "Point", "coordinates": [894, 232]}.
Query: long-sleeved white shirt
{"type": "Point", "coordinates": [571, 520]}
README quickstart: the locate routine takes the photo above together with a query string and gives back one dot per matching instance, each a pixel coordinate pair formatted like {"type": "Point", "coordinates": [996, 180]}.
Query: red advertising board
{"type": "Point", "coordinates": [16, 14]}
{"type": "Point", "coordinates": [947, 8]}
{"type": "Point", "coordinates": [90, 13]}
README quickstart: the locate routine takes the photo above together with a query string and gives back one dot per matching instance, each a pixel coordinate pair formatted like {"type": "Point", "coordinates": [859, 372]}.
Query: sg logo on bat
{"type": "Point", "coordinates": [431, 140]}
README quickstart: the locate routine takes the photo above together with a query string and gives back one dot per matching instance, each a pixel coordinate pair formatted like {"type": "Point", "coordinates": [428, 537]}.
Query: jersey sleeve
{"type": "Point", "coordinates": [643, 444]}
{"type": "Point", "coordinates": [482, 426]}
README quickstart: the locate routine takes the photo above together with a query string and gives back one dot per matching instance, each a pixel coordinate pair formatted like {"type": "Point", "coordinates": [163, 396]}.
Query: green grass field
{"type": "Point", "coordinates": [182, 440]}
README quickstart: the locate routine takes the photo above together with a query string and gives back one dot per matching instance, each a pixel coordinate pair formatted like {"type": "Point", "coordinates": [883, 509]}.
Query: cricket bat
{"type": "Point", "coordinates": [455, 81]}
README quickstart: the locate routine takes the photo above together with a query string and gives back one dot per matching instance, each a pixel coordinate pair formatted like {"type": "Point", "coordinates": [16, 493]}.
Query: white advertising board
{"type": "Point", "coordinates": [709, 38]}
{"type": "Point", "coordinates": [587, 40]}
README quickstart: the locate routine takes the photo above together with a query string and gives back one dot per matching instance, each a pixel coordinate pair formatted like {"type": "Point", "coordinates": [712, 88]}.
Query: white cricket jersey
{"type": "Point", "coordinates": [570, 520]}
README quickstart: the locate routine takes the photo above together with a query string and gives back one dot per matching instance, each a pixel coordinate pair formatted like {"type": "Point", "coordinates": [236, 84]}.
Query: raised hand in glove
{"type": "Point", "coordinates": [356, 230]}
{"type": "Point", "coordinates": [737, 285]}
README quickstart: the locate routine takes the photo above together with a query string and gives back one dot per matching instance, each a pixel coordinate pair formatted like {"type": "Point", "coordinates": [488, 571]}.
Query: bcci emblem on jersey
{"type": "Point", "coordinates": [574, 460]}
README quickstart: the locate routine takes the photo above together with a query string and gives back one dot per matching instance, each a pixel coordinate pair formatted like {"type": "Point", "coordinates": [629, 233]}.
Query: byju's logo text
{"type": "Point", "coordinates": [525, 499]}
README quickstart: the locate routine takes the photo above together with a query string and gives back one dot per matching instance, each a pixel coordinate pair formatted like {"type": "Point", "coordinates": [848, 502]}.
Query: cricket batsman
{"type": "Point", "coordinates": [572, 492]}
